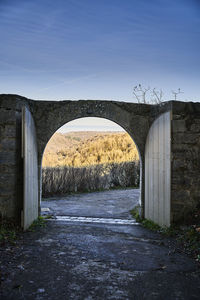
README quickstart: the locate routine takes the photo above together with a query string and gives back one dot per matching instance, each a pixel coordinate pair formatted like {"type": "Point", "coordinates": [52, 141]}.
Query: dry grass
{"type": "Point", "coordinates": [64, 180]}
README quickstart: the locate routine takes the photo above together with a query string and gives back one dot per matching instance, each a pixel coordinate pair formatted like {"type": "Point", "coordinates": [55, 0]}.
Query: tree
{"type": "Point", "coordinates": [154, 96]}
{"type": "Point", "coordinates": [151, 96]}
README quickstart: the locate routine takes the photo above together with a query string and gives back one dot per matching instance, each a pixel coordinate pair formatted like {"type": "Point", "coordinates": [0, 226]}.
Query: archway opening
{"type": "Point", "coordinates": [87, 156]}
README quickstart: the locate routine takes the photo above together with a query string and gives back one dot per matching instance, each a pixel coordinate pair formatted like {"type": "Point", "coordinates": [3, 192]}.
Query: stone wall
{"type": "Point", "coordinates": [185, 148]}
{"type": "Point", "coordinates": [136, 119]}
{"type": "Point", "coordinates": [49, 116]}
{"type": "Point", "coordinates": [11, 173]}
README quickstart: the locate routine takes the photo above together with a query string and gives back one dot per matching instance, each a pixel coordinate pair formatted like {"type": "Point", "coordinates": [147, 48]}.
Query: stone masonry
{"type": "Point", "coordinates": [185, 149]}
{"type": "Point", "coordinates": [11, 171]}
{"type": "Point", "coordinates": [136, 119]}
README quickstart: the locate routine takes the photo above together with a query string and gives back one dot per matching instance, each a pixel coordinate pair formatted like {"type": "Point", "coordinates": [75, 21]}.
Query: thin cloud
{"type": "Point", "coordinates": [68, 81]}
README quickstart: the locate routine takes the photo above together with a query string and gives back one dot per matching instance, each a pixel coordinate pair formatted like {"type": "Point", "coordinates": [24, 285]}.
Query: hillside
{"type": "Point", "coordinates": [89, 148]}
{"type": "Point", "coordinates": [67, 140]}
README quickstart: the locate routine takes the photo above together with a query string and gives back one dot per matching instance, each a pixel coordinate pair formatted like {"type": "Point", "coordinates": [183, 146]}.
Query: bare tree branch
{"type": "Point", "coordinates": [157, 96]}
{"type": "Point", "coordinates": [140, 93]}
{"type": "Point", "coordinates": [143, 95]}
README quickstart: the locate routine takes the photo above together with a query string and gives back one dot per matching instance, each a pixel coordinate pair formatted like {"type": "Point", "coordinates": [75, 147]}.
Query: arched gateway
{"type": "Point", "coordinates": [152, 127]}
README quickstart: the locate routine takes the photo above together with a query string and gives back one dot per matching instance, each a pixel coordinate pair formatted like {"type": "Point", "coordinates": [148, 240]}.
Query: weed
{"type": "Point", "coordinates": [198, 258]}
{"type": "Point", "coordinates": [39, 222]}
{"type": "Point", "coordinates": [188, 236]}
{"type": "Point", "coordinates": [135, 212]}
{"type": "Point", "coordinates": [190, 241]}
{"type": "Point", "coordinates": [150, 225]}
{"type": "Point", "coordinates": [8, 233]}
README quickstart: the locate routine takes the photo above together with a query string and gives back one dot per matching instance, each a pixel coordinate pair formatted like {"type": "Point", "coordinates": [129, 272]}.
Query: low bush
{"type": "Point", "coordinates": [65, 180]}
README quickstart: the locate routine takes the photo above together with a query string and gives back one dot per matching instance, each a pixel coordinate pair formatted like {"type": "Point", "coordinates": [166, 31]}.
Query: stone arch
{"type": "Point", "coordinates": [51, 115]}
{"type": "Point", "coordinates": [129, 131]}
{"type": "Point", "coordinates": [48, 116]}
{"type": "Point", "coordinates": [40, 165]}
{"type": "Point", "coordinates": [126, 130]}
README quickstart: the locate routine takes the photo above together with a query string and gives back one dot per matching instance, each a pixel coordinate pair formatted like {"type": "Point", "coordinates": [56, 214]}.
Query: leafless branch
{"type": "Point", "coordinates": [143, 95]}
{"type": "Point", "coordinates": [157, 96]}
{"type": "Point", "coordinates": [140, 93]}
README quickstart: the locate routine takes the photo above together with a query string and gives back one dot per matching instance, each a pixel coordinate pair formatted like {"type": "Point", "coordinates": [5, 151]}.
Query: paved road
{"type": "Point", "coordinates": [79, 260]}
{"type": "Point", "coordinates": [108, 204]}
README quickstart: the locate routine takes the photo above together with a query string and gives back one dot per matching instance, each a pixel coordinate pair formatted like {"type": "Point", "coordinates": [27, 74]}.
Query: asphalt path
{"type": "Point", "coordinates": [71, 259]}
{"type": "Point", "coordinates": [107, 204]}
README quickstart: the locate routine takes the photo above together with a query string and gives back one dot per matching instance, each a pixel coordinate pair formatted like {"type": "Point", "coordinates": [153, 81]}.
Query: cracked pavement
{"type": "Point", "coordinates": [70, 259]}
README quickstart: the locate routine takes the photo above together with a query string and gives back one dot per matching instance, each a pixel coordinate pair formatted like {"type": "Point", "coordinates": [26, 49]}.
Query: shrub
{"type": "Point", "coordinates": [65, 180]}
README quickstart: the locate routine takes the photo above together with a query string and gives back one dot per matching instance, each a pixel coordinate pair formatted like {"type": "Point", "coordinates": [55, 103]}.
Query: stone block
{"type": "Point", "coordinates": [196, 192]}
{"type": "Point", "coordinates": [193, 107]}
{"type": "Point", "coordinates": [180, 196]}
{"type": "Point", "coordinates": [177, 148]}
{"type": "Point", "coordinates": [7, 116]}
{"type": "Point", "coordinates": [7, 157]}
{"type": "Point", "coordinates": [8, 207]}
{"type": "Point", "coordinates": [2, 129]}
{"type": "Point", "coordinates": [195, 127]}
{"type": "Point", "coordinates": [178, 107]}
{"type": "Point", "coordinates": [8, 144]}
{"type": "Point", "coordinates": [10, 131]}
{"type": "Point", "coordinates": [7, 180]}
{"type": "Point", "coordinates": [7, 168]}
{"type": "Point", "coordinates": [178, 126]}
{"type": "Point", "coordinates": [8, 102]}
{"type": "Point", "coordinates": [185, 138]}
{"type": "Point", "coordinates": [177, 117]}
{"type": "Point", "coordinates": [177, 207]}
{"type": "Point", "coordinates": [7, 191]}
{"type": "Point", "coordinates": [178, 164]}
{"type": "Point", "coordinates": [196, 120]}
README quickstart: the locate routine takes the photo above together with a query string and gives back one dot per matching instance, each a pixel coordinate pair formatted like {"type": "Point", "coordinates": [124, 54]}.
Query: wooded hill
{"type": "Point", "coordinates": [87, 148]}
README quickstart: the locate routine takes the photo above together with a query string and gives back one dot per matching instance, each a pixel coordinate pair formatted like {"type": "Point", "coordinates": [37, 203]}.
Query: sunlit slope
{"type": "Point", "coordinates": [89, 148]}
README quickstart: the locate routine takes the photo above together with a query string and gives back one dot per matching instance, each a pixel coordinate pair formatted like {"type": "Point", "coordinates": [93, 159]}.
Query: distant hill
{"type": "Point", "coordinates": [85, 148]}
{"type": "Point", "coordinates": [67, 140]}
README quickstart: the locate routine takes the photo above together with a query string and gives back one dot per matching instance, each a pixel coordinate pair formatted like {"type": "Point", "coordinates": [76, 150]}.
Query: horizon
{"type": "Point", "coordinates": [90, 124]}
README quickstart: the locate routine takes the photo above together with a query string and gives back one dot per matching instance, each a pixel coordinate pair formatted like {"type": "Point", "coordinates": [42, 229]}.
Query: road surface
{"type": "Point", "coordinates": [90, 260]}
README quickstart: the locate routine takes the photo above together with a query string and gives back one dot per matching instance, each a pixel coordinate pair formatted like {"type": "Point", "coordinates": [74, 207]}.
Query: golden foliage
{"type": "Point", "coordinates": [99, 148]}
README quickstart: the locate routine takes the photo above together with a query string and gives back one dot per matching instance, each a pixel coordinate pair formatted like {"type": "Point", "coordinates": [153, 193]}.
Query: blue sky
{"type": "Point", "coordinates": [99, 49]}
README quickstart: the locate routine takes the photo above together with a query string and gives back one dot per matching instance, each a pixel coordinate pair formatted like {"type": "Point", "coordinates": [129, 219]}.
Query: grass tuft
{"type": "Point", "coordinates": [188, 237]}
{"type": "Point", "coordinates": [39, 222]}
{"type": "Point", "coordinates": [8, 232]}
{"type": "Point", "coordinates": [135, 212]}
